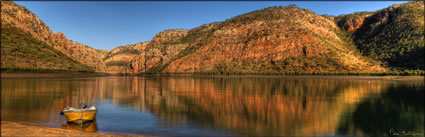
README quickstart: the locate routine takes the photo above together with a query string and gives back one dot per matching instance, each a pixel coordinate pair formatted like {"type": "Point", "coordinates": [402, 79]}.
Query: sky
{"type": "Point", "coordinates": [108, 24]}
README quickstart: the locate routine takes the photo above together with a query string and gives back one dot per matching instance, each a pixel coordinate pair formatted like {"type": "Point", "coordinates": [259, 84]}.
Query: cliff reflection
{"type": "Point", "coordinates": [247, 106]}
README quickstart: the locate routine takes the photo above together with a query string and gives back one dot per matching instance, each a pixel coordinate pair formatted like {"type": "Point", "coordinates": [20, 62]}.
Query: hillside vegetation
{"type": "Point", "coordinates": [21, 51]}
{"type": "Point", "coordinates": [27, 22]}
{"type": "Point", "coordinates": [394, 35]}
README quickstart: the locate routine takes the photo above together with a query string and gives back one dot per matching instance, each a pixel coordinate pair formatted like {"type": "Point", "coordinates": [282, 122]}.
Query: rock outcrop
{"type": "Point", "coordinates": [163, 48]}
{"type": "Point", "coordinates": [118, 59]}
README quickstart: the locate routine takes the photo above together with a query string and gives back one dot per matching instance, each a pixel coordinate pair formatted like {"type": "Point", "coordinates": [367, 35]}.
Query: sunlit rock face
{"type": "Point", "coordinates": [270, 40]}
{"type": "Point", "coordinates": [118, 59]}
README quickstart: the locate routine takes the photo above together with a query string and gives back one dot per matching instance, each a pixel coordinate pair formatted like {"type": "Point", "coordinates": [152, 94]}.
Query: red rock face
{"type": "Point", "coordinates": [123, 54]}
{"type": "Point", "coordinates": [262, 45]}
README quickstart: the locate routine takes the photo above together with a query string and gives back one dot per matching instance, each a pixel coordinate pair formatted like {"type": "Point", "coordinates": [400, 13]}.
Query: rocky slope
{"type": "Point", "coordinates": [163, 48]}
{"type": "Point", "coordinates": [270, 40]}
{"type": "Point", "coordinates": [118, 59]}
{"type": "Point", "coordinates": [394, 35]}
{"type": "Point", "coordinates": [21, 51]}
{"type": "Point", "coordinates": [21, 18]}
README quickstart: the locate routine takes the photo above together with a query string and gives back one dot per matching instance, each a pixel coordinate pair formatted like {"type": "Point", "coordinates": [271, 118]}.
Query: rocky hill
{"type": "Point", "coordinates": [21, 51]}
{"type": "Point", "coordinates": [274, 39]}
{"type": "Point", "coordinates": [21, 18]}
{"type": "Point", "coordinates": [394, 35]}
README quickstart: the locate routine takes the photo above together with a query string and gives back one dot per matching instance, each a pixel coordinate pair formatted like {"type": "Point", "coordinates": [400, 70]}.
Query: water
{"type": "Point", "coordinates": [222, 106]}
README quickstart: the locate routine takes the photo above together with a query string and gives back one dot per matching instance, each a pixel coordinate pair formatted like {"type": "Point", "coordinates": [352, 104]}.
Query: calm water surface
{"type": "Point", "coordinates": [221, 106]}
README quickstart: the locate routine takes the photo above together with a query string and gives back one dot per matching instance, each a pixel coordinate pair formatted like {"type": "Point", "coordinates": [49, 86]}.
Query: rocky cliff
{"type": "Point", "coordinates": [118, 59]}
{"type": "Point", "coordinates": [274, 39]}
{"type": "Point", "coordinates": [21, 18]}
{"type": "Point", "coordinates": [163, 48]}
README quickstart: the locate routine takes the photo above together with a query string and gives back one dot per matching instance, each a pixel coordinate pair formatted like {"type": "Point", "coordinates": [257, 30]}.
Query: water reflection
{"type": "Point", "coordinates": [90, 126]}
{"type": "Point", "coordinates": [257, 106]}
{"type": "Point", "coordinates": [400, 108]}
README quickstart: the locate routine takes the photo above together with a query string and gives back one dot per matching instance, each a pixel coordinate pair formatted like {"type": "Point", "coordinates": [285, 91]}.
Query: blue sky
{"type": "Point", "coordinates": [108, 24]}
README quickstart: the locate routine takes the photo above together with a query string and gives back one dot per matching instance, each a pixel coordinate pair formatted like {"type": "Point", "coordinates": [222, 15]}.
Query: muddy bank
{"type": "Point", "coordinates": [18, 129]}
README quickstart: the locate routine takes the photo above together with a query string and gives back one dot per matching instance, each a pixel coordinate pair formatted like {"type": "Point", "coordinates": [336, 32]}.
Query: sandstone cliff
{"type": "Point", "coordinates": [162, 49]}
{"type": "Point", "coordinates": [21, 18]}
{"type": "Point", "coordinates": [270, 40]}
{"type": "Point", "coordinates": [118, 59]}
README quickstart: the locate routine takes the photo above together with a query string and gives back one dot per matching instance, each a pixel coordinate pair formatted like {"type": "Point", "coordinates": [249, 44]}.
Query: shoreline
{"type": "Point", "coordinates": [50, 74]}
{"type": "Point", "coordinates": [84, 75]}
{"type": "Point", "coordinates": [20, 129]}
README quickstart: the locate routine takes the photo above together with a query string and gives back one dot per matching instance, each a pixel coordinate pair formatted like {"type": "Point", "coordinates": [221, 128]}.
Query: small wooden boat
{"type": "Point", "coordinates": [80, 115]}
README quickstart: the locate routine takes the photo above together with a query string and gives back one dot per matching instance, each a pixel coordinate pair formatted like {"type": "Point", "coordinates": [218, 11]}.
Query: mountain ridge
{"type": "Point", "coordinates": [273, 39]}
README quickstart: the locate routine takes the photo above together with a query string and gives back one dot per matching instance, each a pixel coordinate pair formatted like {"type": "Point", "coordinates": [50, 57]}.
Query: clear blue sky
{"type": "Point", "coordinates": [108, 24]}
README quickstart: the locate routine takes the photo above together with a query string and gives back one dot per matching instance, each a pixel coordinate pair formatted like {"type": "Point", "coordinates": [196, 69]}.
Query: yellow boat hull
{"type": "Point", "coordinates": [80, 116]}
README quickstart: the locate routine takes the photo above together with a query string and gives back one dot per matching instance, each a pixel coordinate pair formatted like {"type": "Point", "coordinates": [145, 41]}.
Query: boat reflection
{"type": "Point", "coordinates": [90, 126]}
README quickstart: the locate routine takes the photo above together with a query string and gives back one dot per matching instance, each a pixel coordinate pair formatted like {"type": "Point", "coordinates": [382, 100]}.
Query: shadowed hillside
{"type": "Point", "coordinates": [394, 35]}
{"type": "Point", "coordinates": [20, 50]}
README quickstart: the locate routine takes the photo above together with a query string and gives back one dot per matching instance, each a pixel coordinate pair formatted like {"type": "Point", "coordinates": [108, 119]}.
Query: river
{"type": "Point", "coordinates": [222, 105]}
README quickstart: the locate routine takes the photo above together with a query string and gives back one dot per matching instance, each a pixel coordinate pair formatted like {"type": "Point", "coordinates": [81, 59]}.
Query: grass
{"type": "Point", "coordinates": [123, 51]}
{"type": "Point", "coordinates": [20, 51]}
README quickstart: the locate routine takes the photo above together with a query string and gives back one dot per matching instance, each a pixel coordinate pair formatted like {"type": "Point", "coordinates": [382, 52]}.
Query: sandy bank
{"type": "Point", "coordinates": [18, 129]}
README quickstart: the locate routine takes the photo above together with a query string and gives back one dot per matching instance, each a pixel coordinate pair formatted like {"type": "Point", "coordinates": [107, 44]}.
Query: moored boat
{"type": "Point", "coordinates": [80, 115]}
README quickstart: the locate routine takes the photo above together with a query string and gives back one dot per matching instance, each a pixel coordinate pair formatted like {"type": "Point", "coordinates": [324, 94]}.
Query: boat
{"type": "Point", "coordinates": [80, 115]}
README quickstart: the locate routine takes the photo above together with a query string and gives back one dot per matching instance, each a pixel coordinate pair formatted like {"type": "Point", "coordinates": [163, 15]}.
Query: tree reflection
{"type": "Point", "coordinates": [400, 108]}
